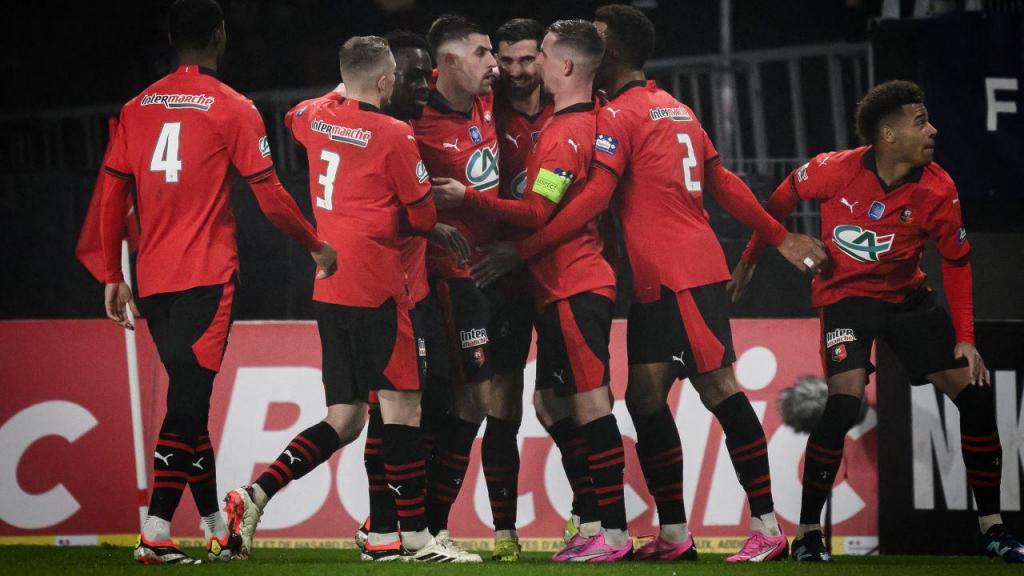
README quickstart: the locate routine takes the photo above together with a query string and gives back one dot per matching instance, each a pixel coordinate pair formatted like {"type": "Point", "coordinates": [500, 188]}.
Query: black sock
{"type": "Point", "coordinates": [305, 452]}
{"type": "Point", "coordinates": [574, 461]}
{"type": "Point", "coordinates": [203, 478]}
{"type": "Point", "coordinates": [383, 519]}
{"type": "Point", "coordinates": [748, 450]}
{"type": "Point", "coordinates": [606, 460]}
{"type": "Point", "coordinates": [825, 453]}
{"type": "Point", "coordinates": [406, 472]}
{"type": "Point", "coordinates": [979, 443]}
{"type": "Point", "coordinates": [448, 469]}
{"type": "Point", "coordinates": [172, 462]}
{"type": "Point", "coordinates": [661, 459]}
{"type": "Point", "coordinates": [499, 453]}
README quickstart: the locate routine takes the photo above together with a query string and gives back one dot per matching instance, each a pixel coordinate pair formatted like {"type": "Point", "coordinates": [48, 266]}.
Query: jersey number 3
{"type": "Point", "coordinates": [327, 179]}
{"type": "Point", "coordinates": [165, 154]}
{"type": "Point", "coordinates": [689, 163]}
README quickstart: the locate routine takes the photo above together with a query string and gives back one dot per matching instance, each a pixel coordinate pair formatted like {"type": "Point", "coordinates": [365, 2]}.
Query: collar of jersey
{"type": "Point", "coordinates": [871, 164]}
{"type": "Point", "coordinates": [578, 107]}
{"type": "Point", "coordinates": [627, 86]}
{"type": "Point", "coordinates": [364, 106]}
{"type": "Point", "coordinates": [440, 103]}
{"type": "Point", "coordinates": [193, 69]}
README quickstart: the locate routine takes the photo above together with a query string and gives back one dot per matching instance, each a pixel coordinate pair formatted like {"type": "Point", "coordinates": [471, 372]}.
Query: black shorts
{"type": "Point", "coordinates": [689, 329]}
{"type": "Point", "coordinates": [364, 350]}
{"type": "Point", "coordinates": [431, 343]}
{"type": "Point", "coordinates": [190, 329]}
{"type": "Point", "coordinates": [919, 331]}
{"type": "Point", "coordinates": [513, 314]}
{"type": "Point", "coordinates": [467, 314]}
{"type": "Point", "coordinates": [572, 344]}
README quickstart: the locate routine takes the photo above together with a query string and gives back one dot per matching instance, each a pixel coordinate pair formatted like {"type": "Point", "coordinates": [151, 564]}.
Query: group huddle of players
{"type": "Point", "coordinates": [467, 193]}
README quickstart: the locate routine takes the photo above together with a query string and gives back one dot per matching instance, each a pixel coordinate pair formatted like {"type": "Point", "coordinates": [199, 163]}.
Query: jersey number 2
{"type": "Point", "coordinates": [165, 155]}
{"type": "Point", "coordinates": [689, 162]}
{"type": "Point", "coordinates": [327, 178]}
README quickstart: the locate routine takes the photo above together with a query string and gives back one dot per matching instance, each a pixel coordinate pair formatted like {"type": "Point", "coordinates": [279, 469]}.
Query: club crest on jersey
{"type": "Point", "coordinates": [487, 118]}
{"type": "Point", "coordinates": [518, 185]}
{"type": "Point", "coordinates": [421, 172]}
{"type": "Point", "coordinates": [473, 337]}
{"type": "Point", "coordinates": [861, 244]}
{"type": "Point", "coordinates": [482, 168]}
{"type": "Point", "coordinates": [344, 134]}
{"type": "Point", "coordinates": [876, 210]}
{"type": "Point", "coordinates": [264, 146]}
{"type": "Point", "coordinates": [534, 135]}
{"type": "Point", "coordinates": [474, 135]}
{"type": "Point", "coordinates": [607, 144]}
{"type": "Point", "coordinates": [678, 114]}
{"type": "Point", "coordinates": [906, 216]}
{"type": "Point", "coordinates": [179, 101]}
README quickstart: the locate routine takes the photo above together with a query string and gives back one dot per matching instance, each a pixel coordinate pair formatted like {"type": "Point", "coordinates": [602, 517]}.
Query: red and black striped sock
{"type": "Point", "coordinates": [172, 461]}
{"type": "Point", "coordinates": [574, 461]}
{"type": "Point", "coordinates": [825, 453]}
{"type": "Point", "coordinates": [309, 449]}
{"type": "Point", "coordinates": [383, 519]}
{"type": "Point", "coordinates": [203, 476]}
{"type": "Point", "coordinates": [748, 449]}
{"type": "Point", "coordinates": [661, 459]}
{"type": "Point", "coordinates": [499, 453]}
{"type": "Point", "coordinates": [979, 442]}
{"type": "Point", "coordinates": [406, 471]}
{"type": "Point", "coordinates": [448, 469]}
{"type": "Point", "coordinates": [607, 462]}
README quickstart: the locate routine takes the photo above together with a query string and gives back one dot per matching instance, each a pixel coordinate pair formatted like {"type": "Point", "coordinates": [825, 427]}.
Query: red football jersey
{"type": "Point", "coordinates": [363, 167]}
{"type": "Point", "coordinates": [517, 133]}
{"type": "Point", "coordinates": [184, 139]}
{"type": "Point", "coordinates": [659, 150]}
{"type": "Point", "coordinates": [875, 235]}
{"type": "Point", "coordinates": [557, 170]}
{"type": "Point", "coordinates": [463, 147]}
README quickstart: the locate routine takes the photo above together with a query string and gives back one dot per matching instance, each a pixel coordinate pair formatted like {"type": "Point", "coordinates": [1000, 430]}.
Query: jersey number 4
{"type": "Point", "coordinates": [689, 163]}
{"type": "Point", "coordinates": [333, 159]}
{"type": "Point", "coordinates": [165, 154]}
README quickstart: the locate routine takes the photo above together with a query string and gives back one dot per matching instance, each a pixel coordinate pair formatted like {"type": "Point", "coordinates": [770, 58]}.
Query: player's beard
{"type": "Point", "coordinates": [521, 90]}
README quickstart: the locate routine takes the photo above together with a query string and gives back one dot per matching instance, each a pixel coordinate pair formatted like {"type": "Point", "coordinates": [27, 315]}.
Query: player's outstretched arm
{"type": "Point", "coordinates": [529, 213]}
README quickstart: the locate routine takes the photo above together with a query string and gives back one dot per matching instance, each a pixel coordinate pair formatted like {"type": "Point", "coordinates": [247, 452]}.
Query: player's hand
{"type": "Point", "coordinates": [326, 261]}
{"type": "Point", "coordinates": [975, 364]}
{"type": "Point", "coordinates": [449, 238]}
{"type": "Point", "coordinates": [807, 254]}
{"type": "Point", "coordinates": [116, 299]}
{"type": "Point", "coordinates": [448, 192]}
{"type": "Point", "coordinates": [741, 276]}
{"type": "Point", "coordinates": [499, 259]}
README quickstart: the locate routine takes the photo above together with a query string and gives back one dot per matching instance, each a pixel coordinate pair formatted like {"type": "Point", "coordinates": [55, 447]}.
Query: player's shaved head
{"type": "Point", "coordinates": [882, 102]}
{"type": "Point", "coordinates": [191, 24]}
{"type": "Point", "coordinates": [364, 59]}
{"type": "Point", "coordinates": [448, 29]}
{"type": "Point", "coordinates": [628, 34]}
{"type": "Point", "coordinates": [578, 40]}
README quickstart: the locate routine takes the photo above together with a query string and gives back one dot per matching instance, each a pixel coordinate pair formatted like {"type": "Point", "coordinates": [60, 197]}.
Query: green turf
{"type": "Point", "coordinates": [30, 560]}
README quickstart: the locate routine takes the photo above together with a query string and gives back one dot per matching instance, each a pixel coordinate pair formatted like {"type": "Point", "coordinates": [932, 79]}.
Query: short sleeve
{"type": "Point", "coordinates": [408, 172]}
{"type": "Point", "coordinates": [246, 141]}
{"type": "Point", "coordinates": [611, 144]}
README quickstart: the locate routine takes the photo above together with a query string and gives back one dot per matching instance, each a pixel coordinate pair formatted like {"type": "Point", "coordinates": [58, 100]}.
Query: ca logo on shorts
{"type": "Point", "coordinates": [482, 168]}
{"type": "Point", "coordinates": [861, 244]}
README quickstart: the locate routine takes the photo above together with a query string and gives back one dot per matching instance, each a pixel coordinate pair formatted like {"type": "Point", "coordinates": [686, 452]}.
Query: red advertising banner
{"type": "Point", "coordinates": [68, 465]}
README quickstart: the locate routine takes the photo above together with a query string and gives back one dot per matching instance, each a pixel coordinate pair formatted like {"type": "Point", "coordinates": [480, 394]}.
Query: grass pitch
{"type": "Point", "coordinates": [31, 560]}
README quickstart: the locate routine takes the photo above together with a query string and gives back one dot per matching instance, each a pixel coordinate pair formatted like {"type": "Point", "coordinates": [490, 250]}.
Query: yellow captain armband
{"type": "Point", "coordinates": [552, 185]}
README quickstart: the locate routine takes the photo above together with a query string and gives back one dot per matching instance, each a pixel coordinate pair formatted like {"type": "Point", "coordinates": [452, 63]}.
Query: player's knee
{"type": "Point", "coordinates": [640, 404]}
{"type": "Point", "coordinates": [841, 412]}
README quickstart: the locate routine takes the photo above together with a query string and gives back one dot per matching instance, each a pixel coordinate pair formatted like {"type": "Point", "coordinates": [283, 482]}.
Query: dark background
{"type": "Point", "coordinates": [63, 60]}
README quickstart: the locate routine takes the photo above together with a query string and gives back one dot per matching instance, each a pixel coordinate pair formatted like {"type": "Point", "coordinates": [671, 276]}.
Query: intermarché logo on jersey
{"type": "Point", "coordinates": [179, 101]}
{"type": "Point", "coordinates": [861, 244]}
{"type": "Point", "coordinates": [676, 114]}
{"type": "Point", "coordinates": [482, 168]}
{"type": "Point", "coordinates": [343, 134]}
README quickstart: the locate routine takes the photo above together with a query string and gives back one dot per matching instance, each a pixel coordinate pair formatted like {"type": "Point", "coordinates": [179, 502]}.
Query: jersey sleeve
{"type": "Point", "coordinates": [816, 180]}
{"type": "Point", "coordinates": [246, 140]}
{"type": "Point", "coordinates": [944, 223]}
{"type": "Point", "coordinates": [710, 152]}
{"type": "Point", "coordinates": [296, 123]}
{"type": "Point", "coordinates": [116, 160]}
{"type": "Point", "coordinates": [557, 163]}
{"type": "Point", "coordinates": [612, 143]}
{"type": "Point", "coordinates": [411, 181]}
